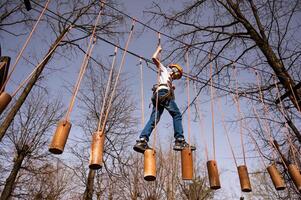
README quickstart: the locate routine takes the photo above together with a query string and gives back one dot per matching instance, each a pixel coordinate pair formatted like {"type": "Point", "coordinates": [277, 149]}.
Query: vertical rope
{"type": "Point", "coordinates": [118, 75]}
{"type": "Point", "coordinates": [157, 99]}
{"type": "Point", "coordinates": [198, 110]}
{"type": "Point", "coordinates": [292, 146]}
{"type": "Point", "coordinates": [37, 67]}
{"type": "Point", "coordinates": [226, 131]}
{"type": "Point", "coordinates": [239, 114]}
{"type": "Point", "coordinates": [211, 107]}
{"type": "Point", "coordinates": [188, 97]}
{"type": "Point", "coordinates": [142, 92]}
{"type": "Point", "coordinates": [107, 90]}
{"type": "Point", "coordinates": [84, 65]}
{"type": "Point", "coordinates": [24, 46]}
{"type": "Point", "coordinates": [265, 123]}
{"type": "Point", "coordinates": [249, 131]}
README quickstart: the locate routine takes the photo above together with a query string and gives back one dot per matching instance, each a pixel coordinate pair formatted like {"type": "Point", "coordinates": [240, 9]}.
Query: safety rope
{"type": "Point", "coordinates": [239, 114]}
{"type": "Point", "coordinates": [117, 77]}
{"type": "Point", "coordinates": [203, 138]}
{"type": "Point", "coordinates": [84, 64]}
{"type": "Point", "coordinates": [157, 100]}
{"type": "Point", "coordinates": [188, 96]}
{"type": "Point", "coordinates": [142, 92]}
{"type": "Point", "coordinates": [38, 66]}
{"type": "Point", "coordinates": [212, 109]}
{"type": "Point", "coordinates": [106, 91]}
{"type": "Point", "coordinates": [24, 46]}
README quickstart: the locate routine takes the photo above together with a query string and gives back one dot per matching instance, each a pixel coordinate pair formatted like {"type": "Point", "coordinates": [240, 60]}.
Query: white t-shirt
{"type": "Point", "coordinates": [164, 78]}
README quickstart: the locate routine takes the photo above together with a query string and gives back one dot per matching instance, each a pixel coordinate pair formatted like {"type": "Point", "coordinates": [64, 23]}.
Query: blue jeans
{"type": "Point", "coordinates": [172, 108]}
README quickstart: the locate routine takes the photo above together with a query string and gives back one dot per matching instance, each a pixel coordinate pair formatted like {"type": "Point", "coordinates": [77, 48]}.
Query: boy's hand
{"type": "Point", "coordinates": [159, 48]}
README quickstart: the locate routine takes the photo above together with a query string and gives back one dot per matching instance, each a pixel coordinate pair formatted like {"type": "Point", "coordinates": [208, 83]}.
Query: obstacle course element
{"type": "Point", "coordinates": [295, 175]}
{"type": "Point", "coordinates": [97, 148]}
{"type": "Point", "coordinates": [60, 137]}
{"type": "Point", "coordinates": [187, 164]}
{"type": "Point", "coordinates": [149, 165]}
{"type": "Point", "coordinates": [213, 175]}
{"type": "Point", "coordinates": [5, 98]}
{"type": "Point", "coordinates": [276, 177]}
{"type": "Point", "coordinates": [244, 178]}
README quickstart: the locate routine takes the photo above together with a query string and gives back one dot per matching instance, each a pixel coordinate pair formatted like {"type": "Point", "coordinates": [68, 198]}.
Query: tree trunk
{"type": "Point", "coordinates": [90, 184]}
{"type": "Point", "coordinates": [13, 111]}
{"type": "Point", "coordinates": [10, 181]}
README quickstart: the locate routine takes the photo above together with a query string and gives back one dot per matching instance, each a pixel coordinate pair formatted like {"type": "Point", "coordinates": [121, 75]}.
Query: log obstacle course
{"type": "Point", "coordinates": [98, 140]}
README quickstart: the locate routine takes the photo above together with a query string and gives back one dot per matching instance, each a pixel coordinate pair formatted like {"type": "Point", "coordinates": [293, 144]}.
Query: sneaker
{"type": "Point", "coordinates": [180, 144]}
{"type": "Point", "coordinates": [141, 145]}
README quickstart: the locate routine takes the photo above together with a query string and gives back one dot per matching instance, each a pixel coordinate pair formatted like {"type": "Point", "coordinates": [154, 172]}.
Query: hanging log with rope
{"type": "Point", "coordinates": [61, 134]}
{"type": "Point", "coordinates": [98, 140]}
{"type": "Point", "coordinates": [187, 152]}
{"type": "Point", "coordinates": [212, 168]}
{"type": "Point", "coordinates": [242, 169]}
{"type": "Point", "coordinates": [98, 137]}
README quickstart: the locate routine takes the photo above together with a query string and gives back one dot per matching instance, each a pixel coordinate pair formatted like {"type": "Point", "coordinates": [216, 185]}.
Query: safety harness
{"type": "Point", "coordinates": [163, 99]}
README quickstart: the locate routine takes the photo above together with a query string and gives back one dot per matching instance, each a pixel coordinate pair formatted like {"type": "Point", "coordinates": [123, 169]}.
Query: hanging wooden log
{"type": "Point", "coordinates": [5, 98]}
{"type": "Point", "coordinates": [97, 148]}
{"type": "Point", "coordinates": [295, 175]}
{"type": "Point", "coordinates": [213, 175]}
{"type": "Point", "coordinates": [244, 179]}
{"type": "Point", "coordinates": [149, 165]}
{"type": "Point", "coordinates": [276, 177]}
{"type": "Point", "coordinates": [187, 164]}
{"type": "Point", "coordinates": [60, 137]}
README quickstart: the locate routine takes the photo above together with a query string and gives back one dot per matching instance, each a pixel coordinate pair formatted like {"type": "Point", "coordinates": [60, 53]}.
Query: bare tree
{"type": "Point", "coordinates": [119, 130]}
{"type": "Point", "coordinates": [27, 135]}
{"type": "Point", "coordinates": [78, 14]}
